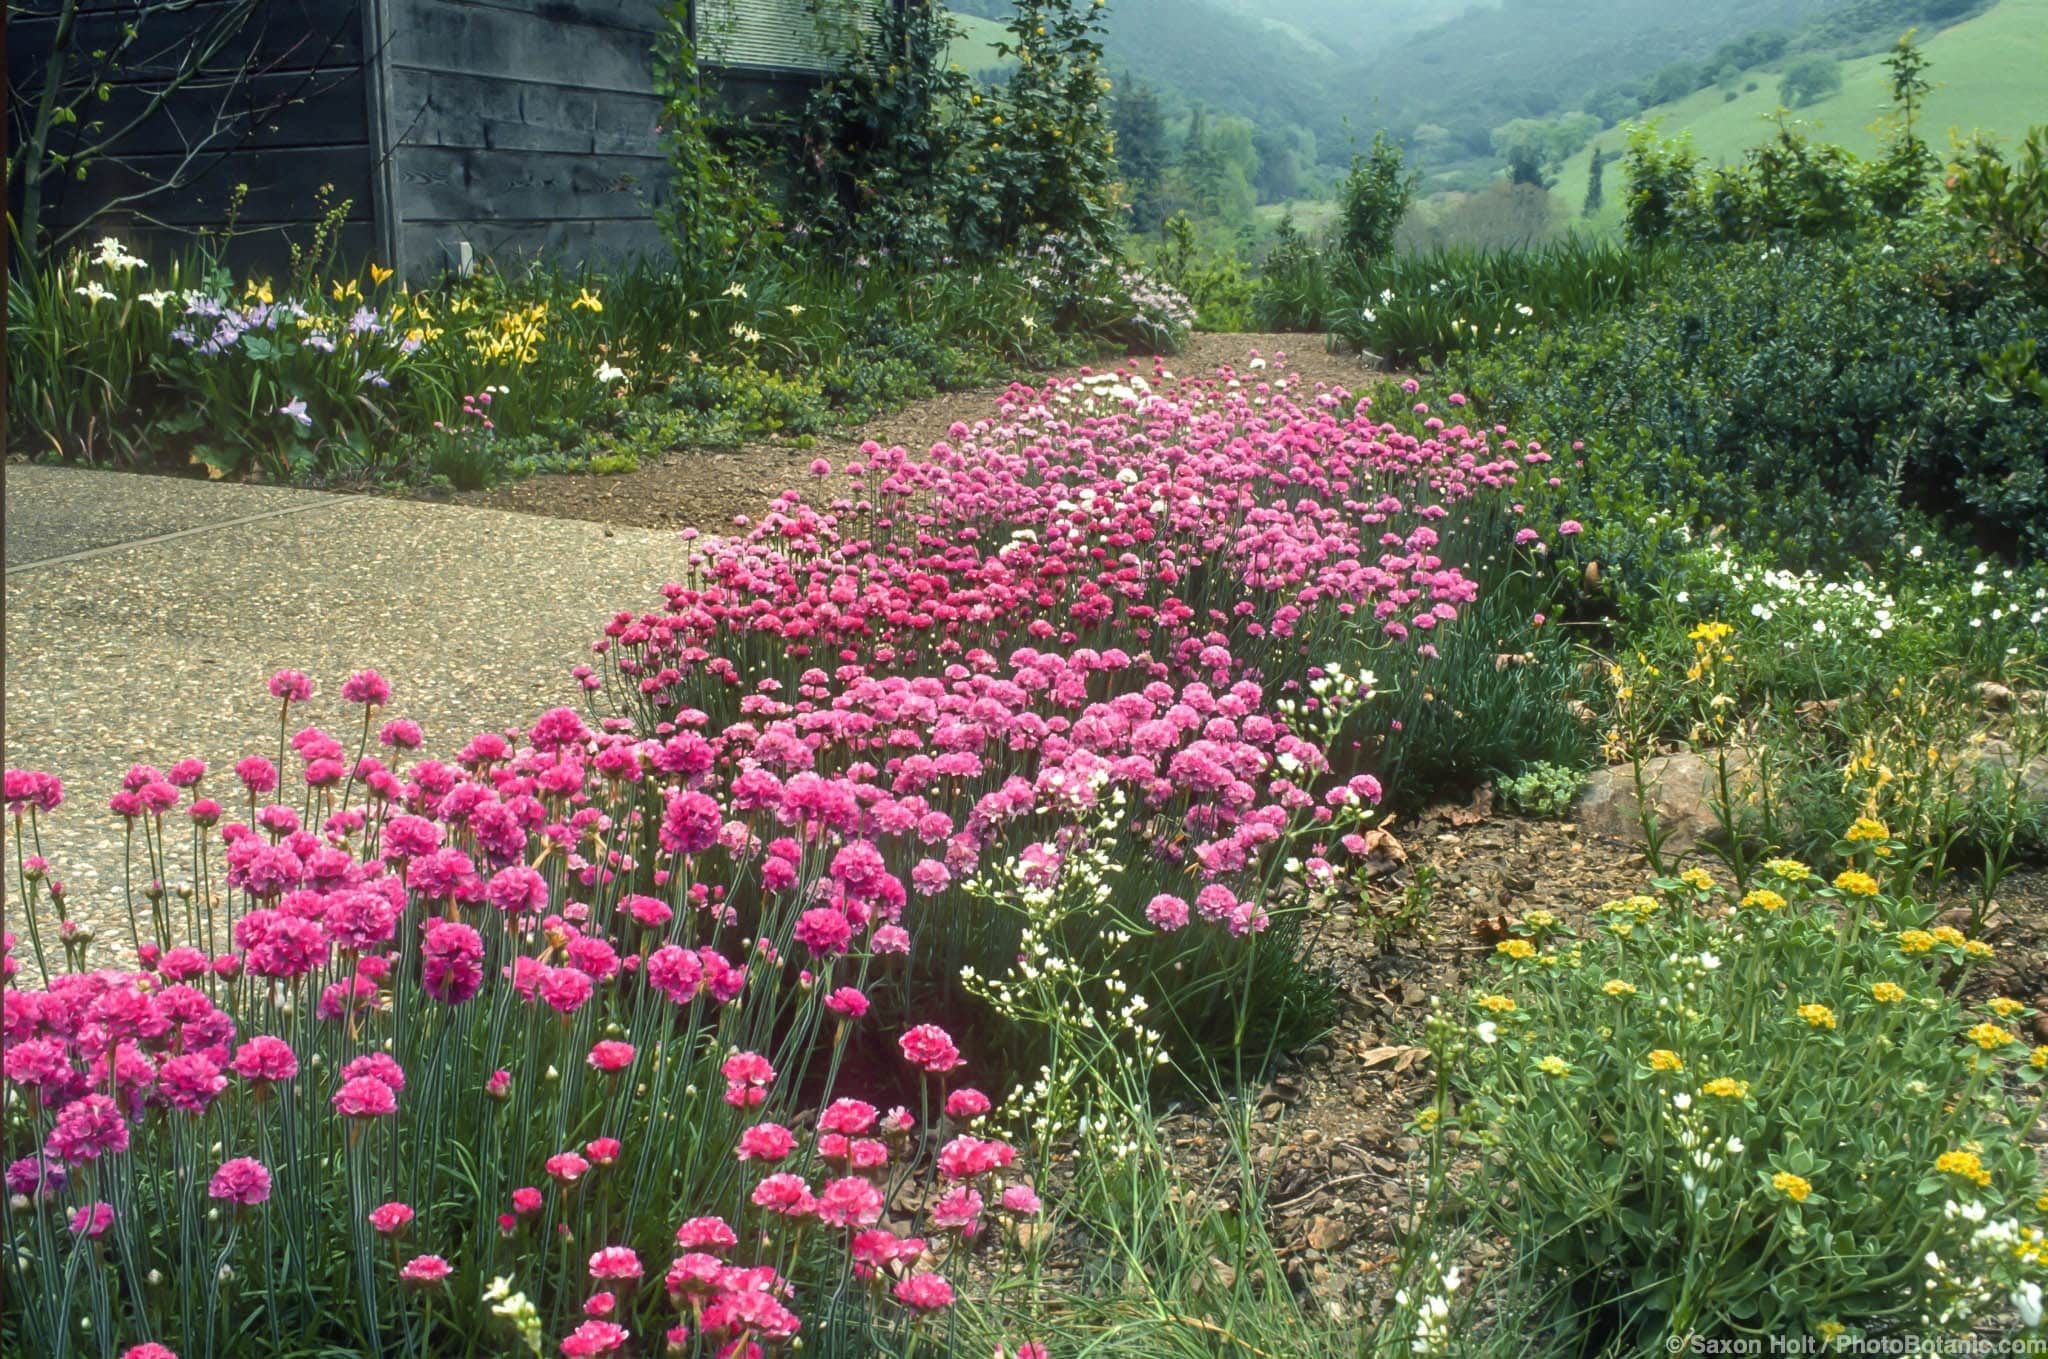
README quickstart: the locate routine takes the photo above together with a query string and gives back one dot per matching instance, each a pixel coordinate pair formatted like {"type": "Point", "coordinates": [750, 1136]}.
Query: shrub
{"type": "Point", "coordinates": [1765, 1109]}
{"type": "Point", "coordinates": [1372, 200]}
{"type": "Point", "coordinates": [1541, 789]}
{"type": "Point", "coordinates": [1820, 399]}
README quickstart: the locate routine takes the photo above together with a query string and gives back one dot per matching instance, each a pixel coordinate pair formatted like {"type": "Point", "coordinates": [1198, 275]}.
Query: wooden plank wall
{"type": "Point", "coordinates": [523, 128]}
{"type": "Point", "coordinates": [300, 123]}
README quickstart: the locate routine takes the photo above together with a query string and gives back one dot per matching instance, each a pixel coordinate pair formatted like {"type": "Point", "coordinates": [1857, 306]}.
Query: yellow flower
{"type": "Point", "coordinates": [1977, 948]}
{"type": "Point", "coordinates": [1819, 1016]}
{"type": "Point", "coordinates": [795, 309]}
{"type": "Point", "coordinates": [588, 300]}
{"type": "Point", "coordinates": [2005, 1007]}
{"type": "Point", "coordinates": [1965, 1164]}
{"type": "Point", "coordinates": [1791, 870]}
{"type": "Point", "coordinates": [1867, 828]}
{"type": "Point", "coordinates": [1498, 1004]}
{"type": "Point", "coordinates": [1516, 948]}
{"type": "Point", "coordinates": [1664, 1059]}
{"type": "Point", "coordinates": [1764, 899]}
{"type": "Point", "coordinates": [1856, 883]}
{"type": "Point", "coordinates": [1554, 1066]}
{"type": "Point", "coordinates": [1539, 920]}
{"type": "Point", "coordinates": [1830, 1329]}
{"type": "Point", "coordinates": [1618, 987]}
{"type": "Point", "coordinates": [379, 274]}
{"type": "Point", "coordinates": [2039, 1059]}
{"type": "Point", "coordinates": [259, 292]}
{"type": "Point", "coordinates": [349, 289]}
{"type": "Point", "coordinates": [1887, 992]}
{"type": "Point", "coordinates": [1710, 632]}
{"type": "Point", "coordinates": [1726, 1087]}
{"type": "Point", "coordinates": [1698, 878]}
{"type": "Point", "coordinates": [1426, 1120]}
{"type": "Point", "coordinates": [1915, 941]}
{"type": "Point", "coordinates": [1948, 934]}
{"type": "Point", "coordinates": [1793, 1187]}
{"type": "Point", "coordinates": [2041, 1204]}
{"type": "Point", "coordinates": [1989, 1037]}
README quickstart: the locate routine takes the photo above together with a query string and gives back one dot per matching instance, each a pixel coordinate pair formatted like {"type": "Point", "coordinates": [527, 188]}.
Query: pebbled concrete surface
{"type": "Point", "coordinates": [156, 651]}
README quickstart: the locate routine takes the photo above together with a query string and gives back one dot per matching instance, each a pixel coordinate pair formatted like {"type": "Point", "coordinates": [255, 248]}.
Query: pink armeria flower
{"type": "Point", "coordinates": [244, 1181]}
{"type": "Point", "coordinates": [615, 1262]}
{"type": "Point", "coordinates": [747, 1077]}
{"type": "Point", "coordinates": [1570, 527]}
{"type": "Point", "coordinates": [603, 1151]}
{"type": "Point", "coordinates": [366, 687]}
{"type": "Point", "coordinates": [958, 1210]}
{"type": "Point", "coordinates": [379, 1066]}
{"type": "Point", "coordinates": [451, 961]}
{"type": "Point", "coordinates": [593, 1337]}
{"type": "Point", "coordinates": [785, 1194]}
{"type": "Point", "coordinates": [1020, 1199]}
{"type": "Point", "coordinates": [930, 1047]}
{"type": "Point", "coordinates": [365, 1097]}
{"type": "Point", "coordinates": [92, 1220]}
{"type": "Point", "coordinates": [600, 1304]}
{"type": "Point", "coordinates": [291, 685]}
{"type": "Point", "coordinates": [86, 1129]}
{"type": "Point", "coordinates": [424, 1271]}
{"type": "Point", "coordinates": [847, 1001]}
{"type": "Point", "coordinates": [149, 1349]}
{"type": "Point", "coordinates": [1167, 911]}
{"type": "Point", "coordinates": [526, 1200]}
{"type": "Point", "coordinates": [391, 1218]}
{"type": "Point", "coordinates": [401, 733]}
{"type": "Point", "coordinates": [850, 1202]}
{"type": "Point", "coordinates": [769, 1142]}
{"type": "Point", "coordinates": [706, 1234]}
{"type": "Point", "coordinates": [924, 1293]}
{"type": "Point", "coordinates": [611, 1056]}
{"type": "Point", "coordinates": [967, 1102]}
{"type": "Point", "coordinates": [567, 1167]}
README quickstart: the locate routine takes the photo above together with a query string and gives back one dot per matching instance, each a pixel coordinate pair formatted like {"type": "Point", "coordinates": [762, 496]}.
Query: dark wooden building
{"type": "Point", "coordinates": [453, 130]}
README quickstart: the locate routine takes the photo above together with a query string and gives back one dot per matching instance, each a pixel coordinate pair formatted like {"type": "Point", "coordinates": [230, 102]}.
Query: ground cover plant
{"type": "Point", "coordinates": [438, 1055]}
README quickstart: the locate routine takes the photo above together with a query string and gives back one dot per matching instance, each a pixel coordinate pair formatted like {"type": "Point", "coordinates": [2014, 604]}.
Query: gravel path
{"type": "Point", "coordinates": [143, 613]}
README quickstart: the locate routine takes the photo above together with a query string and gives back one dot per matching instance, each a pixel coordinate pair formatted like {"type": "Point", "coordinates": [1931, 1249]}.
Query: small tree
{"type": "Point", "coordinates": [1595, 194]}
{"type": "Point", "coordinates": [1809, 80]}
{"type": "Point", "coordinates": [1376, 196]}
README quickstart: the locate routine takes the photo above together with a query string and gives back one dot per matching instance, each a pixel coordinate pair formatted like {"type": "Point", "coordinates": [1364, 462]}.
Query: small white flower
{"type": "Point", "coordinates": [1487, 1032]}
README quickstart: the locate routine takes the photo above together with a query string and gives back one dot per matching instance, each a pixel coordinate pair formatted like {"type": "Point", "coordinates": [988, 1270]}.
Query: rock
{"type": "Point", "coordinates": [1995, 758]}
{"type": "Point", "coordinates": [1682, 789]}
{"type": "Point", "coordinates": [1994, 697]}
{"type": "Point", "coordinates": [1328, 1233]}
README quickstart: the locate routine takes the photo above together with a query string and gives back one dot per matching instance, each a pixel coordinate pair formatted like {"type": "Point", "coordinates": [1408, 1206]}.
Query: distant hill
{"type": "Point", "coordinates": [1990, 74]}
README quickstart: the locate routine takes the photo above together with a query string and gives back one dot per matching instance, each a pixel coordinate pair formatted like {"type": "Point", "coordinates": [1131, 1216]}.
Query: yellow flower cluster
{"type": "Point", "coordinates": [1516, 948]}
{"type": "Point", "coordinates": [1554, 1066]}
{"type": "Point", "coordinates": [1793, 1187]}
{"type": "Point", "coordinates": [1819, 1016]}
{"type": "Point", "coordinates": [1500, 1005]}
{"type": "Point", "coordinates": [1856, 883]}
{"type": "Point", "coordinates": [1764, 899]}
{"type": "Point", "coordinates": [1791, 870]}
{"type": "Point", "coordinates": [1867, 828]}
{"type": "Point", "coordinates": [1618, 987]}
{"type": "Point", "coordinates": [2005, 1007]}
{"type": "Point", "coordinates": [1915, 941]}
{"type": "Point", "coordinates": [1697, 878]}
{"type": "Point", "coordinates": [1888, 993]}
{"type": "Point", "coordinates": [1664, 1059]}
{"type": "Point", "coordinates": [516, 337]}
{"type": "Point", "coordinates": [1989, 1037]}
{"type": "Point", "coordinates": [1965, 1164]}
{"type": "Point", "coordinates": [1726, 1087]}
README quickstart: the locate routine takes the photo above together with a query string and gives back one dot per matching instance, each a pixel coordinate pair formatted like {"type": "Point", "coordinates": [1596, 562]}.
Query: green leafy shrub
{"type": "Point", "coordinates": [1541, 789]}
{"type": "Point", "coordinates": [1820, 398]}
{"type": "Point", "coordinates": [1373, 199]}
{"type": "Point", "coordinates": [1769, 1110]}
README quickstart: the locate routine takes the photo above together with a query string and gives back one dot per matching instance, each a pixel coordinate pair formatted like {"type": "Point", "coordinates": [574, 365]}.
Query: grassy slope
{"type": "Point", "coordinates": [1990, 73]}
{"type": "Point", "coordinates": [974, 51]}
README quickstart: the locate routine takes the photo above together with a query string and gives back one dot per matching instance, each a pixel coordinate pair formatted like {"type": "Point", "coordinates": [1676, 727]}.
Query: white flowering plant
{"type": "Point", "coordinates": [1782, 1107]}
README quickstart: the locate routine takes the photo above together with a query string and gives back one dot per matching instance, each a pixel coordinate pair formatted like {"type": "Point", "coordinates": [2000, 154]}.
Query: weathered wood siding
{"type": "Point", "coordinates": [522, 129]}
{"type": "Point", "coordinates": [300, 123]}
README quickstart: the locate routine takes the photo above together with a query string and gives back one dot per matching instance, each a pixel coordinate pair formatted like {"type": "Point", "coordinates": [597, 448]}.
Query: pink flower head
{"type": "Point", "coordinates": [1020, 1199]}
{"type": "Point", "coordinates": [424, 1271]}
{"type": "Point", "coordinates": [785, 1194]}
{"type": "Point", "coordinates": [603, 1151]}
{"type": "Point", "coordinates": [1167, 911]}
{"type": "Point", "coordinates": [149, 1349]}
{"type": "Point", "coordinates": [365, 1097]}
{"type": "Point", "coordinates": [611, 1056]}
{"type": "Point", "coordinates": [401, 733]}
{"type": "Point", "coordinates": [451, 961]}
{"type": "Point", "coordinates": [244, 1181]}
{"type": "Point", "coordinates": [967, 1102]}
{"type": "Point", "coordinates": [567, 1167]}
{"type": "Point", "coordinates": [92, 1220]}
{"type": "Point", "coordinates": [924, 1293]}
{"type": "Point", "coordinates": [615, 1262]}
{"type": "Point", "coordinates": [1570, 527]}
{"type": "Point", "coordinates": [291, 685]}
{"type": "Point", "coordinates": [86, 1129]}
{"type": "Point", "coordinates": [851, 1202]}
{"type": "Point", "coordinates": [593, 1337]}
{"type": "Point", "coordinates": [958, 1210]}
{"type": "Point", "coordinates": [706, 1234]}
{"type": "Point", "coordinates": [931, 1048]}
{"type": "Point", "coordinates": [565, 989]}
{"type": "Point", "coordinates": [526, 1200]}
{"type": "Point", "coordinates": [381, 1066]}
{"type": "Point", "coordinates": [853, 1117]}
{"type": "Point", "coordinates": [190, 1082]}
{"type": "Point", "coordinates": [747, 1077]}
{"type": "Point", "coordinates": [766, 1142]}
{"type": "Point", "coordinates": [499, 1086]}
{"type": "Point", "coordinates": [847, 1001]}
{"type": "Point", "coordinates": [600, 1304]}
{"type": "Point", "coordinates": [391, 1218]}
{"type": "Point", "coordinates": [366, 687]}
{"type": "Point", "coordinates": [257, 774]}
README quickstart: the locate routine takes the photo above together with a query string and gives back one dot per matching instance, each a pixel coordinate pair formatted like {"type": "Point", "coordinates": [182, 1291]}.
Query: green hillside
{"type": "Point", "coordinates": [1990, 74]}
{"type": "Point", "coordinates": [974, 51]}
